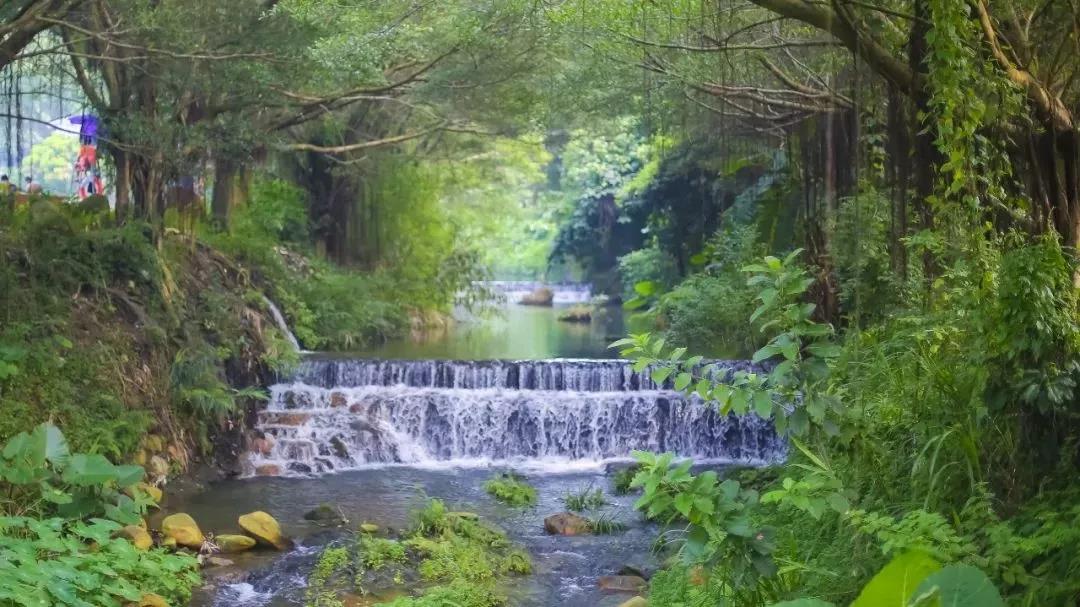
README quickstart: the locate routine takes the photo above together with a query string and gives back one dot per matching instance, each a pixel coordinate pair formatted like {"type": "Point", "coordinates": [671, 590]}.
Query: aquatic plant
{"type": "Point", "coordinates": [605, 524]}
{"type": "Point", "coordinates": [511, 489]}
{"type": "Point", "coordinates": [622, 480]}
{"type": "Point", "coordinates": [585, 499]}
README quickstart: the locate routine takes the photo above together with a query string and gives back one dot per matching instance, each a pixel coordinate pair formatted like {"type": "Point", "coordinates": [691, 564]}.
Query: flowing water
{"type": "Point", "coordinates": [373, 435]}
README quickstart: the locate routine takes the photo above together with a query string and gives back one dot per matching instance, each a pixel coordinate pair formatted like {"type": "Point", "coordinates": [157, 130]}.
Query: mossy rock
{"type": "Point", "coordinates": [138, 536]}
{"type": "Point", "coordinates": [230, 544]}
{"type": "Point", "coordinates": [369, 527]}
{"type": "Point", "coordinates": [265, 529]}
{"type": "Point", "coordinates": [325, 514]}
{"type": "Point", "coordinates": [637, 601]}
{"type": "Point", "coordinates": [182, 528]}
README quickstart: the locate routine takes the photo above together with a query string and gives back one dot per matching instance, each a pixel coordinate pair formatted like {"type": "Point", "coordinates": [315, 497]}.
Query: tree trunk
{"type": "Point", "coordinates": [123, 185]}
{"type": "Point", "coordinates": [221, 202]}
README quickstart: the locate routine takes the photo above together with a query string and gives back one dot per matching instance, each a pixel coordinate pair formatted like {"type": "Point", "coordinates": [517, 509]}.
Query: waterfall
{"type": "Point", "coordinates": [279, 320]}
{"type": "Point", "coordinates": [514, 290]}
{"type": "Point", "coordinates": [339, 414]}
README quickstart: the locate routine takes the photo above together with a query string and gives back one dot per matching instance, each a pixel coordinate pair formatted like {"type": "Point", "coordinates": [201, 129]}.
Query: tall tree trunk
{"type": "Point", "coordinates": [224, 193]}
{"type": "Point", "coordinates": [898, 165]}
{"type": "Point", "coordinates": [926, 157]}
{"type": "Point", "coordinates": [123, 185]}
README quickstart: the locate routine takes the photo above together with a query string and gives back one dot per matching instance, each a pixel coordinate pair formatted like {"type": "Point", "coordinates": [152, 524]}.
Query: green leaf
{"type": "Point", "coordinates": [56, 447]}
{"type": "Point", "coordinates": [88, 470]}
{"type": "Point", "coordinates": [645, 288]}
{"type": "Point", "coordinates": [897, 581]}
{"type": "Point", "coordinates": [682, 381]}
{"type": "Point", "coordinates": [763, 404]}
{"type": "Point", "coordinates": [961, 586]}
{"type": "Point", "coordinates": [804, 603]}
{"type": "Point", "coordinates": [838, 502]}
{"type": "Point", "coordinates": [661, 374]}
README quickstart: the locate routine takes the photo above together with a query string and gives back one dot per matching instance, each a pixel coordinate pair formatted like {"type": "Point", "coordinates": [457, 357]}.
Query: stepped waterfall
{"type": "Point", "coordinates": [341, 414]}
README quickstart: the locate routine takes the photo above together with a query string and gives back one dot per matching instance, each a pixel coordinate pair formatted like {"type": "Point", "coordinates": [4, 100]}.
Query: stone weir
{"type": "Point", "coordinates": [338, 414]}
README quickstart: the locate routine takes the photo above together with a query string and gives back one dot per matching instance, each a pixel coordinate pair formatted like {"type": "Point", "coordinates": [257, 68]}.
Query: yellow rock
{"type": "Point", "coordinates": [183, 529]}
{"type": "Point", "coordinates": [264, 529]}
{"type": "Point", "coordinates": [369, 527]}
{"type": "Point", "coordinates": [169, 542]}
{"type": "Point", "coordinates": [137, 535]}
{"type": "Point", "coordinates": [141, 458]}
{"type": "Point", "coordinates": [637, 601]}
{"type": "Point", "coordinates": [234, 543]}
{"type": "Point", "coordinates": [150, 599]}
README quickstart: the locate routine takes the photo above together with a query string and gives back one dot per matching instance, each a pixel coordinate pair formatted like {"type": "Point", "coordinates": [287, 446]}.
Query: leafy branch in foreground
{"type": "Point", "coordinates": [794, 392]}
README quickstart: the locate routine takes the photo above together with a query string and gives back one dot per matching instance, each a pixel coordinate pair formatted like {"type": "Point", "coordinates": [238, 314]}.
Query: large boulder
{"type": "Point", "coordinates": [230, 544]}
{"type": "Point", "coordinates": [138, 536]}
{"type": "Point", "coordinates": [540, 297]}
{"type": "Point", "coordinates": [622, 583]}
{"type": "Point", "coordinates": [566, 523]}
{"type": "Point", "coordinates": [183, 529]}
{"type": "Point", "coordinates": [264, 529]}
{"type": "Point", "coordinates": [637, 601]}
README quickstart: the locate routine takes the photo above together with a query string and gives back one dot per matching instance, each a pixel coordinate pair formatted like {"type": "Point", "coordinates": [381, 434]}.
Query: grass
{"type": "Point", "coordinates": [511, 489]}
{"type": "Point", "coordinates": [622, 480]}
{"type": "Point", "coordinates": [605, 524]}
{"type": "Point", "coordinates": [586, 499]}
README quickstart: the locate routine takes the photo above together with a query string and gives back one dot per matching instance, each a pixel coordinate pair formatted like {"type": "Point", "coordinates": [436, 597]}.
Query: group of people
{"type": "Point", "coordinates": [8, 188]}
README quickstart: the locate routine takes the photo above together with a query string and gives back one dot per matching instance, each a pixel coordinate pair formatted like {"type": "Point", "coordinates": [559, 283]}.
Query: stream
{"type": "Point", "coordinates": [375, 432]}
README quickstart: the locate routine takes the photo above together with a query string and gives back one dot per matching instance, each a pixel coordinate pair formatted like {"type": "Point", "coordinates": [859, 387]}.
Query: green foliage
{"type": "Point", "coordinates": [42, 477]}
{"type": "Point", "coordinates": [650, 264]}
{"type": "Point", "coordinates": [897, 582]}
{"type": "Point", "coordinates": [585, 499]}
{"type": "Point", "coordinates": [51, 562]}
{"type": "Point", "coordinates": [60, 546]}
{"type": "Point", "coordinates": [511, 489]}
{"type": "Point", "coordinates": [621, 481]}
{"type": "Point", "coordinates": [456, 556]}
{"type": "Point", "coordinates": [719, 532]}
{"type": "Point", "coordinates": [794, 393]}
{"type": "Point", "coordinates": [707, 312]}
{"type": "Point", "coordinates": [958, 586]}
{"type": "Point", "coordinates": [376, 552]}
{"type": "Point", "coordinates": [606, 524]}
{"type": "Point", "coordinates": [1033, 335]}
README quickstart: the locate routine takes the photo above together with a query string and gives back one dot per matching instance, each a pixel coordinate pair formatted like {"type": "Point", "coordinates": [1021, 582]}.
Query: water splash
{"type": "Point", "coordinates": [553, 415]}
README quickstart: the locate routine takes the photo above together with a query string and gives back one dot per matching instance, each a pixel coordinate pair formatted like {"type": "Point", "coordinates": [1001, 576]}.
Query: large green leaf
{"type": "Point", "coordinates": [960, 586]}
{"type": "Point", "coordinates": [804, 603]}
{"type": "Point", "coordinates": [88, 470]}
{"type": "Point", "coordinates": [897, 581]}
{"type": "Point", "coordinates": [56, 447]}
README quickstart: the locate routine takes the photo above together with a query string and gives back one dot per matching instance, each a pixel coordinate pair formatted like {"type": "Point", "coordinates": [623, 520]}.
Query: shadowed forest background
{"type": "Point", "coordinates": [876, 202]}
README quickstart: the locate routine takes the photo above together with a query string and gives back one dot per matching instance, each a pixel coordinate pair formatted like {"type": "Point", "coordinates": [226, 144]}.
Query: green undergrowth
{"type": "Point", "coordinates": [511, 489]}
{"type": "Point", "coordinates": [59, 525]}
{"type": "Point", "coordinates": [445, 558]}
{"type": "Point", "coordinates": [328, 306]}
{"type": "Point", "coordinates": [115, 334]}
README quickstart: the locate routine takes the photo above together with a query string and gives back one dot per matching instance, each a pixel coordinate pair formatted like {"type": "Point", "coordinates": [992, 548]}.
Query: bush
{"type": "Point", "coordinates": [651, 264]}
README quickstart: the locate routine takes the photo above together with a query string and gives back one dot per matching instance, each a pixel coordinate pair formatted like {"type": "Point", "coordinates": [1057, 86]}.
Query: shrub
{"type": "Point", "coordinates": [651, 264]}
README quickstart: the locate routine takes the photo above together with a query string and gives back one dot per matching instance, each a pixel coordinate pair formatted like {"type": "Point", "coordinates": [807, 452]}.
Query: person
{"type": "Point", "coordinates": [7, 195]}
{"type": "Point", "coordinates": [33, 187]}
{"type": "Point", "coordinates": [6, 187]}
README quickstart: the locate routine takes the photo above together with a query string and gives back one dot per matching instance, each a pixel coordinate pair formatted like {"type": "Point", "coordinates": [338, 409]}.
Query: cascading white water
{"type": "Point", "coordinates": [514, 290]}
{"type": "Point", "coordinates": [283, 326]}
{"type": "Point", "coordinates": [342, 414]}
